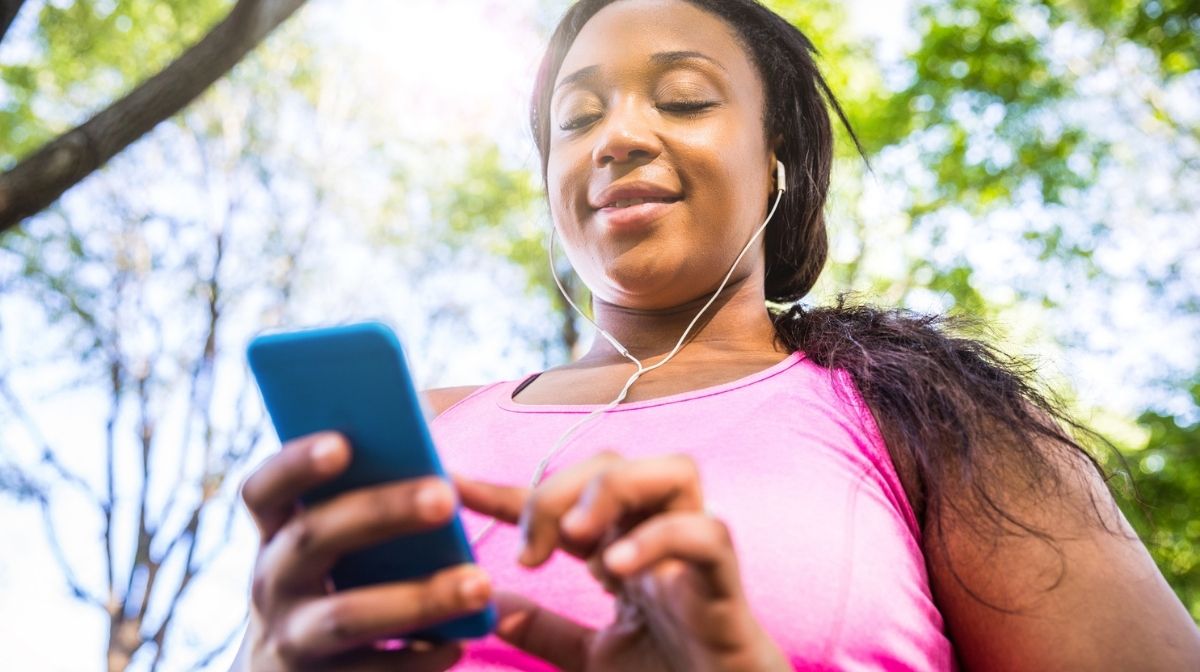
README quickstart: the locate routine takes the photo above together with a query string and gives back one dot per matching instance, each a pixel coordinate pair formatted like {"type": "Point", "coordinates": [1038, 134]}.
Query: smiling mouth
{"type": "Point", "coordinates": [629, 202]}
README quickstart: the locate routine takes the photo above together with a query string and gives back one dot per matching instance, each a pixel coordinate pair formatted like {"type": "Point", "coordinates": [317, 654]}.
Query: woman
{"type": "Point", "coordinates": [839, 488]}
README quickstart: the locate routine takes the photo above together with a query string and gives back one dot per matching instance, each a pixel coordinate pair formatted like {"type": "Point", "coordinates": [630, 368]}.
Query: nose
{"type": "Point", "coordinates": [627, 133]}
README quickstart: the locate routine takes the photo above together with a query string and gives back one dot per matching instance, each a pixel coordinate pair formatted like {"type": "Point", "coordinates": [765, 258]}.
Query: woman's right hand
{"type": "Point", "coordinates": [296, 622]}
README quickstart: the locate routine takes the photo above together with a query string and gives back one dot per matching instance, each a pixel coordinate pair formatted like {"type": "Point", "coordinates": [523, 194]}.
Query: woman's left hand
{"type": "Point", "coordinates": [642, 528]}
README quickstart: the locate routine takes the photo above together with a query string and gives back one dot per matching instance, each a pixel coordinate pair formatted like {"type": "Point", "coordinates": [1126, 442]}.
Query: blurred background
{"type": "Point", "coordinates": [1033, 162]}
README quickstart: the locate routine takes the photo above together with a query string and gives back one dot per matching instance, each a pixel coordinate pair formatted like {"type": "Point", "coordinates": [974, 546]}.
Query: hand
{"type": "Point", "coordinates": [642, 528]}
{"type": "Point", "coordinates": [295, 622]}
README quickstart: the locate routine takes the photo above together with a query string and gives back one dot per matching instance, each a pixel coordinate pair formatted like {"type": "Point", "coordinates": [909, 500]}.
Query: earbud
{"type": "Point", "coordinates": [540, 471]}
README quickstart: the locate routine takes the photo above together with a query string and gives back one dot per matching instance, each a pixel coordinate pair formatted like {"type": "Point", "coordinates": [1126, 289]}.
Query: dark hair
{"type": "Point", "coordinates": [956, 414]}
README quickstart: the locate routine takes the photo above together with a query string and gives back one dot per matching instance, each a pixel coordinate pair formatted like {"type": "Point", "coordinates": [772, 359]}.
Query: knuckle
{"type": "Point", "coordinates": [719, 532]}
{"type": "Point", "coordinates": [334, 621]}
{"type": "Point", "coordinates": [300, 534]}
{"type": "Point", "coordinates": [440, 600]}
{"type": "Point", "coordinates": [608, 456]}
{"type": "Point", "coordinates": [383, 506]}
{"type": "Point", "coordinates": [607, 480]}
{"type": "Point", "coordinates": [538, 504]}
{"type": "Point", "coordinates": [686, 466]}
{"type": "Point", "coordinates": [671, 573]}
{"type": "Point", "coordinates": [287, 646]}
{"type": "Point", "coordinates": [285, 641]}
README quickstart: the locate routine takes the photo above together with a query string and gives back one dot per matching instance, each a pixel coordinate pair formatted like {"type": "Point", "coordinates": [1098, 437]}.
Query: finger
{"type": "Point", "coordinates": [440, 657]}
{"type": "Point", "coordinates": [502, 502]}
{"type": "Point", "coordinates": [546, 504]}
{"type": "Point", "coordinates": [536, 630]}
{"type": "Point", "coordinates": [312, 541]}
{"type": "Point", "coordinates": [270, 493]}
{"type": "Point", "coordinates": [348, 619]}
{"type": "Point", "coordinates": [698, 539]}
{"type": "Point", "coordinates": [668, 483]}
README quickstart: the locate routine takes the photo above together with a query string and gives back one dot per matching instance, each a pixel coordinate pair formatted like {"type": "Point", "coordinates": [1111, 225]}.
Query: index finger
{"type": "Point", "coordinates": [650, 485]}
{"type": "Point", "coordinates": [502, 502]}
{"type": "Point", "coordinates": [270, 493]}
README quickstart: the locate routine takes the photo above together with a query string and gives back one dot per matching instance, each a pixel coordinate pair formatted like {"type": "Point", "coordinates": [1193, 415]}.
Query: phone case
{"type": "Point", "coordinates": [354, 379]}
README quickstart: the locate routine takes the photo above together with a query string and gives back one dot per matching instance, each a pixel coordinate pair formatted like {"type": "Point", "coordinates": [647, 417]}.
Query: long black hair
{"type": "Point", "coordinates": [960, 418]}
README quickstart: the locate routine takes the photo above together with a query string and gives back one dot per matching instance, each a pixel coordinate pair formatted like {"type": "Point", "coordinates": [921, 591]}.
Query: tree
{"type": "Point", "coordinates": [495, 207]}
{"type": "Point", "coordinates": [40, 178]}
{"type": "Point", "coordinates": [1168, 470]}
{"type": "Point", "coordinates": [145, 295]}
{"type": "Point", "coordinates": [8, 12]}
{"type": "Point", "coordinates": [1044, 148]}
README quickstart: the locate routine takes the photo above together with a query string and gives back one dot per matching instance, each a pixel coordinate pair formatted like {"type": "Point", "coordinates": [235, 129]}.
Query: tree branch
{"type": "Point", "coordinates": [110, 450]}
{"type": "Point", "coordinates": [8, 12]}
{"type": "Point", "coordinates": [77, 588]}
{"type": "Point", "coordinates": [49, 457]}
{"type": "Point", "coordinates": [41, 178]}
{"type": "Point", "coordinates": [232, 637]}
{"type": "Point", "coordinates": [190, 569]}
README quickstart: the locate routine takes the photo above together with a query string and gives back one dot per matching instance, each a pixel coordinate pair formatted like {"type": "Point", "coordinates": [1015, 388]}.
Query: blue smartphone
{"type": "Point", "coordinates": [353, 379]}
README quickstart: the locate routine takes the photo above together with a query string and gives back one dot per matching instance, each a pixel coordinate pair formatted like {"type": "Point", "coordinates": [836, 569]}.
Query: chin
{"type": "Point", "coordinates": [649, 282]}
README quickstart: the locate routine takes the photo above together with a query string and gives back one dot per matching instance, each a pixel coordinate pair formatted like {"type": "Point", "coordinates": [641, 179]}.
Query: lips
{"type": "Point", "coordinates": [633, 205]}
{"type": "Point", "coordinates": [627, 202]}
{"type": "Point", "coordinates": [633, 193]}
{"type": "Point", "coordinates": [636, 215]}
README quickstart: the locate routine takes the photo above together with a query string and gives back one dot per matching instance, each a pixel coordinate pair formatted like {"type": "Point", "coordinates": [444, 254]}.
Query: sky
{"type": "Point", "coordinates": [412, 63]}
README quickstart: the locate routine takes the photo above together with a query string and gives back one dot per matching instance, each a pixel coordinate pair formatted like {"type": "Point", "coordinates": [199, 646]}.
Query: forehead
{"type": "Point", "coordinates": [621, 39]}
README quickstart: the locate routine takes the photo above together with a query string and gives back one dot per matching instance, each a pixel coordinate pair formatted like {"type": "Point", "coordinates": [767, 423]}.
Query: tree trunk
{"type": "Point", "coordinates": [38, 180]}
{"type": "Point", "coordinates": [123, 640]}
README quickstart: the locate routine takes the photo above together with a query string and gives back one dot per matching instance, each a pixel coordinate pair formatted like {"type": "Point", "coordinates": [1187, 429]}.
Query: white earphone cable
{"type": "Point", "coordinates": [641, 369]}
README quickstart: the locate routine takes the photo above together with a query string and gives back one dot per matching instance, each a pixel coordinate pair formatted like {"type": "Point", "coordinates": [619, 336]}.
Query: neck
{"type": "Point", "coordinates": [737, 321]}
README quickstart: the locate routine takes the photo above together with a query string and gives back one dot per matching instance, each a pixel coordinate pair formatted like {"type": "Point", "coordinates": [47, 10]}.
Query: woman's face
{"type": "Point", "coordinates": [656, 100]}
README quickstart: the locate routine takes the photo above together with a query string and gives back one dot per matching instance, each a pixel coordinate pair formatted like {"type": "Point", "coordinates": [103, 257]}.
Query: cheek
{"type": "Point", "coordinates": [721, 190]}
{"type": "Point", "coordinates": [564, 180]}
{"type": "Point", "coordinates": [561, 189]}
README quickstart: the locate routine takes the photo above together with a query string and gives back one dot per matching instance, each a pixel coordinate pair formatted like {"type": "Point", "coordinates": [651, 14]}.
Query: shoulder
{"type": "Point", "coordinates": [442, 398]}
{"type": "Point", "coordinates": [1061, 581]}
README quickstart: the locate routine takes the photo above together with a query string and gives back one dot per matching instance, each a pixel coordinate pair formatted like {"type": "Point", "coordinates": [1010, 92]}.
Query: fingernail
{"type": "Point", "coordinates": [524, 554]}
{"type": "Point", "coordinates": [474, 589]}
{"type": "Point", "coordinates": [434, 501]}
{"type": "Point", "coordinates": [575, 521]}
{"type": "Point", "coordinates": [620, 554]}
{"type": "Point", "coordinates": [324, 453]}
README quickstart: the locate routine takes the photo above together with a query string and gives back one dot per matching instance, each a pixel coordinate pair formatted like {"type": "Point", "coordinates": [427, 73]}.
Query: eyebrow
{"type": "Point", "coordinates": [662, 58]}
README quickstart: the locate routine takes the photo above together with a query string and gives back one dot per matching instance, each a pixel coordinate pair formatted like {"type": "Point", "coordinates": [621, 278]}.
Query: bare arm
{"type": "Point", "coordinates": [1088, 598]}
{"type": "Point", "coordinates": [443, 398]}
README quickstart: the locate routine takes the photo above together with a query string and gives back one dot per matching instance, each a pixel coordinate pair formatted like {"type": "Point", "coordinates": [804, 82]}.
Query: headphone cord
{"type": "Point", "coordinates": [641, 369]}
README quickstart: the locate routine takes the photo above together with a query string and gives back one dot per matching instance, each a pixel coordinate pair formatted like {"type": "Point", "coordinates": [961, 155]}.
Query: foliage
{"type": "Point", "coordinates": [1169, 28]}
{"type": "Point", "coordinates": [86, 53]}
{"type": "Point", "coordinates": [1010, 149]}
{"type": "Point", "coordinates": [1008, 180]}
{"type": "Point", "coordinates": [495, 207]}
{"type": "Point", "coordinates": [1168, 475]}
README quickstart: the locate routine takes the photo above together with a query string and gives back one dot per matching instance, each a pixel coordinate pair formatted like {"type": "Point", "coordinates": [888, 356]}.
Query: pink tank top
{"type": "Point", "coordinates": [789, 458]}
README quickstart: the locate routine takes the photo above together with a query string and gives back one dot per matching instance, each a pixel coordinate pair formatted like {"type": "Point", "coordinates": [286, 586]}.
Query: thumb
{"type": "Point", "coordinates": [534, 629]}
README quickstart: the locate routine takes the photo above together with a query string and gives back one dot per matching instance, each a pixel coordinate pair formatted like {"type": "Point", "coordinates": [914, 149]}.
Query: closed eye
{"type": "Point", "coordinates": [578, 122]}
{"type": "Point", "coordinates": [680, 107]}
{"type": "Point", "coordinates": [687, 106]}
